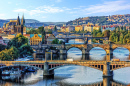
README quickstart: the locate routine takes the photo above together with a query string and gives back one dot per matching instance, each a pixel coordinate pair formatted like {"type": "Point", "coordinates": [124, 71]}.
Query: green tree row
{"type": "Point", "coordinates": [119, 36]}
{"type": "Point", "coordinates": [56, 41]}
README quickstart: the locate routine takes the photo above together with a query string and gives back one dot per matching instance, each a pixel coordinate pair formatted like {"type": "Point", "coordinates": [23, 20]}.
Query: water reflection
{"type": "Point", "coordinates": [72, 76]}
{"type": "Point", "coordinates": [97, 53]}
{"type": "Point", "coordinates": [121, 53]}
{"type": "Point", "coordinates": [74, 53]}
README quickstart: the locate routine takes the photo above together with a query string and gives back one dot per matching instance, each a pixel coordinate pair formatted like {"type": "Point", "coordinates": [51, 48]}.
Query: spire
{"type": "Point", "coordinates": [22, 20]}
{"type": "Point", "coordinates": [18, 20]}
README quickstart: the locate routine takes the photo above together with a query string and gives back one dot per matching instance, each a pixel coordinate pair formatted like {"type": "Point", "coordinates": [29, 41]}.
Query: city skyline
{"type": "Point", "coordinates": [62, 10]}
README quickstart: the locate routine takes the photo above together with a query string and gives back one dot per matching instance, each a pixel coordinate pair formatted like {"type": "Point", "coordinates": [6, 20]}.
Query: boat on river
{"type": "Point", "coordinates": [5, 73]}
{"type": "Point", "coordinates": [15, 72]}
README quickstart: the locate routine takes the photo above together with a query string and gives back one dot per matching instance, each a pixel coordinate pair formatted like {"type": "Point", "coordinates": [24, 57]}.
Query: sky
{"type": "Point", "coordinates": [61, 10]}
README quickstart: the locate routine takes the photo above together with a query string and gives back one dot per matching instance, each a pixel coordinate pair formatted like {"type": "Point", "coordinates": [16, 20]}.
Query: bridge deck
{"type": "Point", "coordinates": [65, 62]}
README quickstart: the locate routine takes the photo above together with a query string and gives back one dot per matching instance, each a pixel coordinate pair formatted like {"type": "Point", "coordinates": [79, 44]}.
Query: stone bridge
{"type": "Point", "coordinates": [85, 48]}
{"type": "Point", "coordinates": [85, 38]}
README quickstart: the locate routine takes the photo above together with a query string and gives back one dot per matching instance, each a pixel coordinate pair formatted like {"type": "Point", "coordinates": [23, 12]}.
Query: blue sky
{"type": "Point", "coordinates": [61, 10]}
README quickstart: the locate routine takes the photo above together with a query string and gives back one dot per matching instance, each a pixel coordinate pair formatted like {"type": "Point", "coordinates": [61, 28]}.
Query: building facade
{"type": "Point", "coordinates": [35, 39]}
{"type": "Point", "coordinates": [15, 26]}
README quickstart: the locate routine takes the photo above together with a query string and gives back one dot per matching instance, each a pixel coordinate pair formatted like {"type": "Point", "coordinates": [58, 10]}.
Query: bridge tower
{"type": "Point", "coordinates": [85, 54]}
{"type": "Point", "coordinates": [106, 70]}
{"type": "Point", "coordinates": [63, 52]}
{"type": "Point", "coordinates": [109, 53]}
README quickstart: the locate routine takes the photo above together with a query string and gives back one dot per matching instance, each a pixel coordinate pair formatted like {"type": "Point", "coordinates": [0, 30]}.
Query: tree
{"type": "Point", "coordinates": [2, 47]}
{"type": "Point", "coordinates": [13, 53]}
{"type": "Point", "coordinates": [18, 41]}
{"type": "Point", "coordinates": [60, 42]}
{"type": "Point", "coordinates": [4, 56]}
{"type": "Point", "coordinates": [55, 41]}
{"type": "Point", "coordinates": [25, 50]}
{"type": "Point", "coordinates": [55, 28]}
{"type": "Point", "coordinates": [106, 33]}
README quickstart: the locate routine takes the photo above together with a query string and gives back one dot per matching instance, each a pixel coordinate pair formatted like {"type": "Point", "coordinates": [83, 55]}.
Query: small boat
{"type": "Point", "coordinates": [30, 70]}
{"type": "Point", "coordinates": [5, 73]}
{"type": "Point", "coordinates": [15, 72]}
{"type": "Point", "coordinates": [5, 77]}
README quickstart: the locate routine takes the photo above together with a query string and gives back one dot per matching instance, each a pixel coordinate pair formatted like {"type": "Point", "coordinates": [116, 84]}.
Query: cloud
{"type": "Point", "coordinates": [58, 1]}
{"type": "Point", "coordinates": [41, 9]}
{"type": "Point", "coordinates": [2, 16]}
{"type": "Point", "coordinates": [20, 10]}
{"type": "Point", "coordinates": [44, 17]}
{"type": "Point", "coordinates": [76, 8]}
{"type": "Point", "coordinates": [109, 6]}
{"type": "Point", "coordinates": [9, 2]}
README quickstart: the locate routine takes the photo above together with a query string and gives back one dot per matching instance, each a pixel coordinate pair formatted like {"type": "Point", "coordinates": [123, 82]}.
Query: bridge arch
{"type": "Point", "coordinates": [121, 53]}
{"type": "Point", "coordinates": [106, 47]}
{"type": "Point", "coordinates": [97, 53]}
{"type": "Point", "coordinates": [74, 53]}
{"type": "Point", "coordinates": [127, 46]}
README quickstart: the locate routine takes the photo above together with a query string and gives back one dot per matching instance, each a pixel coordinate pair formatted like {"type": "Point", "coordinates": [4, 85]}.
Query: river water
{"type": "Point", "coordinates": [76, 75]}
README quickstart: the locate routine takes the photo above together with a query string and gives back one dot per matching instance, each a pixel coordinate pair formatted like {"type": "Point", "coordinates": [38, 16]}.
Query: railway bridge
{"type": "Point", "coordinates": [107, 67]}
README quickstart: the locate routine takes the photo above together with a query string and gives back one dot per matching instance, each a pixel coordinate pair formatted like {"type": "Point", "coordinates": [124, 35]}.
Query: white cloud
{"type": "Point", "coordinates": [20, 10]}
{"type": "Point", "coordinates": [2, 16]}
{"type": "Point", "coordinates": [41, 9]}
{"type": "Point", "coordinates": [58, 1]}
{"type": "Point", "coordinates": [44, 17]}
{"type": "Point", "coordinates": [109, 6]}
{"type": "Point", "coordinates": [76, 8]}
{"type": "Point", "coordinates": [9, 2]}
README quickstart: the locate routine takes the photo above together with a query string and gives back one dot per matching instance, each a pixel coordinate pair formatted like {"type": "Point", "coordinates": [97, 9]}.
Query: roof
{"type": "Point", "coordinates": [32, 35]}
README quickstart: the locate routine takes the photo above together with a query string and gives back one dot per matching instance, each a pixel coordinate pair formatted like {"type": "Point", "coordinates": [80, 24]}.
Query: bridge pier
{"type": "Point", "coordinates": [63, 54]}
{"type": "Point", "coordinates": [107, 80]}
{"type": "Point", "coordinates": [46, 72]}
{"type": "Point", "coordinates": [85, 54]}
{"type": "Point", "coordinates": [66, 40]}
{"type": "Point", "coordinates": [106, 70]}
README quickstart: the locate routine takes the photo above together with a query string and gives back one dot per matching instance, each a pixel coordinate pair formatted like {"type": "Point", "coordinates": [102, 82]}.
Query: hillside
{"type": "Point", "coordinates": [32, 22]}
{"type": "Point", "coordinates": [102, 20]}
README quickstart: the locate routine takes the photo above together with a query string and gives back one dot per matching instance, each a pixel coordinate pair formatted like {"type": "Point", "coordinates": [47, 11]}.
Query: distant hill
{"type": "Point", "coordinates": [32, 23]}
{"type": "Point", "coordinates": [102, 20]}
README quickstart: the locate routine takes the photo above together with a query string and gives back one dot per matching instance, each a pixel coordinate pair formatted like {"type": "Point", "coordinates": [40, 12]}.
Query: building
{"type": "Point", "coordinates": [35, 39]}
{"type": "Point", "coordinates": [15, 26]}
{"type": "Point", "coordinates": [70, 28]}
{"type": "Point", "coordinates": [79, 28]}
{"type": "Point", "coordinates": [96, 27]}
{"type": "Point", "coordinates": [111, 28]}
{"type": "Point", "coordinates": [89, 27]}
{"type": "Point", "coordinates": [50, 38]}
{"type": "Point", "coordinates": [7, 38]}
{"type": "Point", "coordinates": [63, 29]}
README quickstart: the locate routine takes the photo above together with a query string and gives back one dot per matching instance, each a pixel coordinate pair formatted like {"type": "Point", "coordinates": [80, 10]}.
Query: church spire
{"type": "Point", "coordinates": [18, 20]}
{"type": "Point", "coordinates": [22, 20]}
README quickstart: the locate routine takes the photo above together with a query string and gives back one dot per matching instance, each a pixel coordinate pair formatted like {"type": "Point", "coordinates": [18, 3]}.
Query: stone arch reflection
{"type": "Point", "coordinates": [97, 53]}
{"type": "Point", "coordinates": [121, 53]}
{"type": "Point", "coordinates": [74, 53]}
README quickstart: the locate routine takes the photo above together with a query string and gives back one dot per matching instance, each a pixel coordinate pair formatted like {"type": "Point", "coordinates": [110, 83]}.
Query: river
{"type": "Point", "coordinates": [77, 75]}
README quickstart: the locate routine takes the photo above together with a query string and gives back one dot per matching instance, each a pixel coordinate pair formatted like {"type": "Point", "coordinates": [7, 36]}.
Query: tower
{"type": "Point", "coordinates": [23, 20]}
{"type": "Point", "coordinates": [18, 20]}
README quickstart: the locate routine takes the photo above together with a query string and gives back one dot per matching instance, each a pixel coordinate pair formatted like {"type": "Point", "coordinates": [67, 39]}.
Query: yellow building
{"type": "Point", "coordinates": [96, 27]}
{"type": "Point", "coordinates": [89, 27]}
{"type": "Point", "coordinates": [69, 28]}
{"type": "Point", "coordinates": [78, 28]}
{"type": "Point", "coordinates": [63, 29]}
{"type": "Point", "coordinates": [35, 39]}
